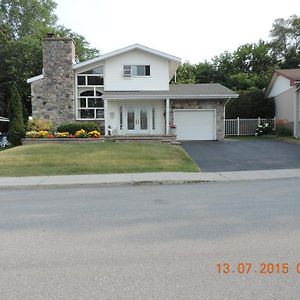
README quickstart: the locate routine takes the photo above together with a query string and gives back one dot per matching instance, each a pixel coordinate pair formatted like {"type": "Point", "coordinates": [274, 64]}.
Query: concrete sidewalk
{"type": "Point", "coordinates": [143, 178]}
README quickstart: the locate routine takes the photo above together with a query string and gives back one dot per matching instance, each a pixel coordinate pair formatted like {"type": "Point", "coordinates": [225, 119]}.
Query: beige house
{"type": "Point", "coordinates": [284, 88]}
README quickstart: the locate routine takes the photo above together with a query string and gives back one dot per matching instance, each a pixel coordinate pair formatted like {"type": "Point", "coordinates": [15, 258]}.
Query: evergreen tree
{"type": "Point", "coordinates": [16, 125]}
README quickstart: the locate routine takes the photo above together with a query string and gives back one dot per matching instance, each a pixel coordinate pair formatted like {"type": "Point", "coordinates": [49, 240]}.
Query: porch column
{"type": "Point", "coordinates": [167, 116]}
{"type": "Point", "coordinates": [296, 111]}
{"type": "Point", "coordinates": [105, 117]}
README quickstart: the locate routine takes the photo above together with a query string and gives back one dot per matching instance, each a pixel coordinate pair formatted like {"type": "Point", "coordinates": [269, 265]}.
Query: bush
{"type": "Point", "coordinates": [81, 134]}
{"type": "Point", "coordinates": [16, 129]}
{"type": "Point", "coordinates": [283, 131]}
{"type": "Point", "coordinates": [94, 134]}
{"type": "Point", "coordinates": [263, 129]}
{"type": "Point", "coordinates": [72, 127]}
{"type": "Point", "coordinates": [62, 135]}
{"type": "Point", "coordinates": [37, 134]}
{"type": "Point", "coordinates": [39, 125]}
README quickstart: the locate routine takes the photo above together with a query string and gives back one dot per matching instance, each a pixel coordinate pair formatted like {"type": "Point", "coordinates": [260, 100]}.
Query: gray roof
{"type": "Point", "coordinates": [177, 91]}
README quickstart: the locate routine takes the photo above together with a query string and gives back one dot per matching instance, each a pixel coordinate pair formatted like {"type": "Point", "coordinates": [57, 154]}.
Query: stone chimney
{"type": "Point", "coordinates": [58, 102]}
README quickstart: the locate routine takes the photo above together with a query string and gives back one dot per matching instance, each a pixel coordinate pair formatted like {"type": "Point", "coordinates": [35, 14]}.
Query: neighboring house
{"type": "Point", "coordinates": [284, 88]}
{"type": "Point", "coordinates": [127, 92]}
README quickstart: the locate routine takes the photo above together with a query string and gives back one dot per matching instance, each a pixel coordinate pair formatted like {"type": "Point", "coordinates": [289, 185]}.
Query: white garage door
{"type": "Point", "coordinates": [195, 124]}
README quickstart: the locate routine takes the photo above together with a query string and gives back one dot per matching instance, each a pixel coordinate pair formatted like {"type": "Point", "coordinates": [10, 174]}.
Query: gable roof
{"type": "Point", "coordinates": [126, 49]}
{"type": "Point", "coordinates": [177, 91]}
{"type": "Point", "coordinates": [174, 60]}
{"type": "Point", "coordinates": [291, 74]}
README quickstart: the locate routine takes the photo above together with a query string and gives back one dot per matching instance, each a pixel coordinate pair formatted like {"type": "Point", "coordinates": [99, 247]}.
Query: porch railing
{"type": "Point", "coordinates": [246, 126]}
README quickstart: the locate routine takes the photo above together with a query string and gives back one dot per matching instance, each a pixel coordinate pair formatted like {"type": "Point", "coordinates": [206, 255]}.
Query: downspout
{"type": "Point", "coordinates": [225, 107]}
{"type": "Point", "coordinates": [225, 116]}
{"type": "Point", "coordinates": [297, 87]}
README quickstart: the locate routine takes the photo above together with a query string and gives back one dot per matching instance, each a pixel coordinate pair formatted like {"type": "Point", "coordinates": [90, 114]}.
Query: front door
{"type": "Point", "coordinates": [137, 120]}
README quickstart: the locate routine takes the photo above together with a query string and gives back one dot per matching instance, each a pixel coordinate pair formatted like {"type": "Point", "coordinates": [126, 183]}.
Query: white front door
{"type": "Point", "coordinates": [137, 119]}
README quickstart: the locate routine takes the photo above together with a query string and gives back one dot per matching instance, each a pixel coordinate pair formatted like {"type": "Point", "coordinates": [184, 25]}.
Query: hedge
{"type": "Point", "coordinates": [72, 127]}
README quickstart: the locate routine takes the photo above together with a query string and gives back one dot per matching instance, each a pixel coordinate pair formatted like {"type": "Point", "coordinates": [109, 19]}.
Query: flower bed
{"type": "Point", "coordinates": [43, 136]}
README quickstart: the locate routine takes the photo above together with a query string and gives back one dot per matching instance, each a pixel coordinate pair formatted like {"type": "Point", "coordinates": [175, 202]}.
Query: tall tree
{"type": "Point", "coordinates": [23, 25]}
{"type": "Point", "coordinates": [27, 17]}
{"type": "Point", "coordinates": [285, 35]}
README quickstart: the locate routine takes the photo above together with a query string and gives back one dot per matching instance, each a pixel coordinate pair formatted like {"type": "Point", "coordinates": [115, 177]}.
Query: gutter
{"type": "Point", "coordinates": [184, 97]}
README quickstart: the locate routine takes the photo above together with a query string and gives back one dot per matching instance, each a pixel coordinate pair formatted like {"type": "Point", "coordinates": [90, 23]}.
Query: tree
{"type": "Point", "coordinates": [23, 25]}
{"type": "Point", "coordinates": [186, 73]}
{"type": "Point", "coordinates": [285, 35]}
{"type": "Point", "coordinates": [82, 46]}
{"type": "Point", "coordinates": [16, 125]}
{"type": "Point", "coordinates": [28, 17]}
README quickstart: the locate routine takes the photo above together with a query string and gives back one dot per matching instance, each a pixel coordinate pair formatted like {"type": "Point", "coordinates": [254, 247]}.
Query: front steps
{"type": "Point", "coordinates": [168, 139]}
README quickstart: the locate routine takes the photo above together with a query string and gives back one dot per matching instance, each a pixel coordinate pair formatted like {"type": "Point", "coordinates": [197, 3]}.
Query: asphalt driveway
{"type": "Point", "coordinates": [243, 155]}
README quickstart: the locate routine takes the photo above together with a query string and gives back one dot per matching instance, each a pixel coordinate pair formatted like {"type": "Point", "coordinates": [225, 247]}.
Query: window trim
{"type": "Point", "coordinates": [78, 107]}
{"type": "Point", "coordinates": [134, 76]}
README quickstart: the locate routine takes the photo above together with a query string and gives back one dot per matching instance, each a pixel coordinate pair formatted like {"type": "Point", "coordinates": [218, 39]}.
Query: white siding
{"type": "Point", "coordinates": [284, 104]}
{"type": "Point", "coordinates": [158, 79]}
{"type": "Point", "coordinates": [281, 84]}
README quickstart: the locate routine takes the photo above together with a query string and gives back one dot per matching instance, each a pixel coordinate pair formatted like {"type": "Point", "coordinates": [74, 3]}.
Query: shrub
{"type": "Point", "coordinates": [72, 127]}
{"type": "Point", "coordinates": [32, 134]}
{"type": "Point", "coordinates": [94, 134]}
{"type": "Point", "coordinates": [282, 128]}
{"type": "Point", "coordinates": [16, 126]}
{"type": "Point", "coordinates": [64, 134]}
{"type": "Point", "coordinates": [81, 134]}
{"type": "Point", "coordinates": [283, 131]}
{"type": "Point", "coordinates": [39, 125]}
{"type": "Point", "coordinates": [263, 129]}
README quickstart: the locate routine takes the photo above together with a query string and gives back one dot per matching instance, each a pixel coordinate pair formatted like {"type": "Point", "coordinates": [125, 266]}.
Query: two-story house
{"type": "Point", "coordinates": [128, 92]}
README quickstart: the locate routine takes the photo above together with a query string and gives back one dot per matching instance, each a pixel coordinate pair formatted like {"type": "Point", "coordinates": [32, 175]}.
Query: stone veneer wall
{"type": "Point", "coordinates": [203, 104]}
{"type": "Point", "coordinates": [53, 97]}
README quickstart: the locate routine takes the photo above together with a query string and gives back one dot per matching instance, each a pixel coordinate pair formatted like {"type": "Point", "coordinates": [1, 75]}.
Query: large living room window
{"type": "Point", "coordinates": [90, 104]}
{"type": "Point", "coordinates": [136, 70]}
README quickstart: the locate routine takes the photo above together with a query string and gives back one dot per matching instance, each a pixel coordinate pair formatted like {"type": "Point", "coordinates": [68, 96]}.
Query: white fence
{"type": "Point", "coordinates": [246, 126]}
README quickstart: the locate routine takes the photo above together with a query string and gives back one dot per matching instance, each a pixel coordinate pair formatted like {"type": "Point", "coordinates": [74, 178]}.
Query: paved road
{"type": "Point", "coordinates": [150, 242]}
{"type": "Point", "coordinates": [243, 155]}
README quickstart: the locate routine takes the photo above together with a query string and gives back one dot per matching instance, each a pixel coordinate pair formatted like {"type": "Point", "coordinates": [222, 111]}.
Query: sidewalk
{"type": "Point", "coordinates": [142, 178]}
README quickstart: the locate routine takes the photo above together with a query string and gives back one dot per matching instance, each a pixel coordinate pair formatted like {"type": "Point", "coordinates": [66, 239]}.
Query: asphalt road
{"type": "Point", "coordinates": [151, 242]}
{"type": "Point", "coordinates": [243, 155]}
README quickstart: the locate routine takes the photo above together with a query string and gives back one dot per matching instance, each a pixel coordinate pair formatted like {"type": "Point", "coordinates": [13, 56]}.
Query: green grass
{"type": "Point", "coordinates": [64, 159]}
{"type": "Point", "coordinates": [288, 139]}
{"type": "Point", "coordinates": [250, 137]}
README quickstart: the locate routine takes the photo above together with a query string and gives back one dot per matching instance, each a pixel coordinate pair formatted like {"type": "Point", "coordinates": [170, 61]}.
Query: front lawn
{"type": "Point", "coordinates": [64, 159]}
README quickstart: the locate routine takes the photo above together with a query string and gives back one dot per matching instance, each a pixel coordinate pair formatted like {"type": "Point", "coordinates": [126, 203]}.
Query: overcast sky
{"type": "Point", "coordinates": [194, 30]}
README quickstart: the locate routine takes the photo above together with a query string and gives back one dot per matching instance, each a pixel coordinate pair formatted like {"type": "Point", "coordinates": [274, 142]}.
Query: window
{"type": "Point", "coordinates": [90, 105]}
{"type": "Point", "coordinates": [136, 70]}
{"type": "Point", "coordinates": [98, 70]}
{"type": "Point", "coordinates": [91, 77]}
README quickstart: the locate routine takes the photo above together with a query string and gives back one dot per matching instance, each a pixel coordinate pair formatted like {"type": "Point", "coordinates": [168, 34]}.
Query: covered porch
{"type": "Point", "coordinates": [137, 117]}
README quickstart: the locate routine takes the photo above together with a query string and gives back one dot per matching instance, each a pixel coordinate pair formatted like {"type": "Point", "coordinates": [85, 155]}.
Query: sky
{"type": "Point", "coordinates": [192, 30]}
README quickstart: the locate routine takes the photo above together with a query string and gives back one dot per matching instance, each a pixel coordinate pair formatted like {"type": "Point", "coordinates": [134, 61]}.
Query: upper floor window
{"type": "Point", "coordinates": [91, 77]}
{"type": "Point", "coordinates": [136, 70]}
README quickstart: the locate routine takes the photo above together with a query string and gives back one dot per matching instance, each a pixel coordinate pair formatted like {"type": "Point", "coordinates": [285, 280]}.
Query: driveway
{"type": "Point", "coordinates": [243, 155]}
